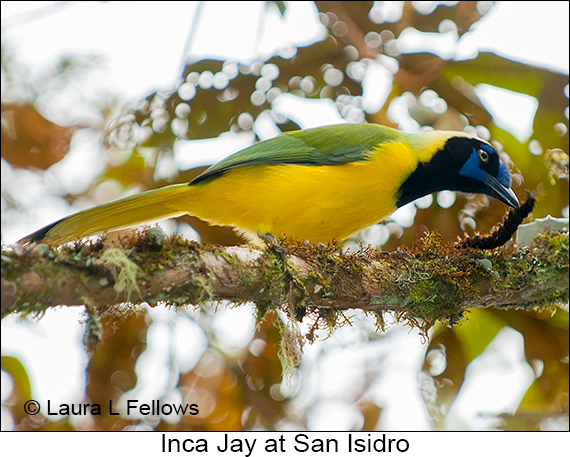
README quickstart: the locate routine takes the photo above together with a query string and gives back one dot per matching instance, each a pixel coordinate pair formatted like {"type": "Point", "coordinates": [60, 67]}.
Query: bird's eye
{"type": "Point", "coordinates": [483, 155]}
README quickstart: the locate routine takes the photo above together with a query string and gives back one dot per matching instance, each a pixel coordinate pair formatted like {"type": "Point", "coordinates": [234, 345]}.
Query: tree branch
{"type": "Point", "coordinates": [434, 280]}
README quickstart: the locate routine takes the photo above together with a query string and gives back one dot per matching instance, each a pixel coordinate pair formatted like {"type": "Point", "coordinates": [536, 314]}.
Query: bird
{"type": "Point", "coordinates": [314, 185]}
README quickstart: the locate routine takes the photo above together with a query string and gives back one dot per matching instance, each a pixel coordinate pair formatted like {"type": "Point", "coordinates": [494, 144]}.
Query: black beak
{"type": "Point", "coordinates": [501, 192]}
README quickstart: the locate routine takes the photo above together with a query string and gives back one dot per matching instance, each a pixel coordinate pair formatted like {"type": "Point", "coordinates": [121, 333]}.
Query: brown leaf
{"type": "Point", "coordinates": [29, 140]}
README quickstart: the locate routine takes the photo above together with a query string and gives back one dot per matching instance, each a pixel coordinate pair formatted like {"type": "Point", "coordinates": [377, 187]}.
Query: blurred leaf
{"type": "Point", "coordinates": [462, 344]}
{"type": "Point", "coordinates": [490, 68]}
{"type": "Point", "coordinates": [463, 14]}
{"type": "Point", "coordinates": [133, 171]}
{"type": "Point", "coordinates": [29, 140]}
{"type": "Point", "coordinates": [545, 85]}
{"type": "Point", "coordinates": [21, 390]}
{"type": "Point", "coordinates": [111, 370]}
{"type": "Point", "coordinates": [547, 341]}
{"type": "Point", "coordinates": [215, 106]}
{"type": "Point", "coordinates": [280, 6]}
{"type": "Point", "coordinates": [236, 392]}
{"type": "Point", "coordinates": [371, 412]}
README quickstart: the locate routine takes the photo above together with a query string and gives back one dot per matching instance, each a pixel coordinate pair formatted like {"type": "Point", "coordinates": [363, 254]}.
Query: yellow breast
{"type": "Point", "coordinates": [315, 203]}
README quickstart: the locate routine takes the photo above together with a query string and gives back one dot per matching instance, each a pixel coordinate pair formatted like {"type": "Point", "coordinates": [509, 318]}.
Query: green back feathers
{"type": "Point", "coordinates": [329, 145]}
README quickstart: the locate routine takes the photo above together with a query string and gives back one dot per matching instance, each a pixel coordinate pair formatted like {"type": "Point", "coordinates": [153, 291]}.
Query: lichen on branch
{"type": "Point", "coordinates": [434, 280]}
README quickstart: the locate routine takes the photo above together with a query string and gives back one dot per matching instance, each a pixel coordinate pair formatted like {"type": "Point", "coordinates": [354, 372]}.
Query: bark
{"type": "Point", "coordinates": [433, 280]}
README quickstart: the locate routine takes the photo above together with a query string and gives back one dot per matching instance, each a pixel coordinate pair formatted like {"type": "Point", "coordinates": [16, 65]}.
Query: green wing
{"type": "Point", "coordinates": [329, 145]}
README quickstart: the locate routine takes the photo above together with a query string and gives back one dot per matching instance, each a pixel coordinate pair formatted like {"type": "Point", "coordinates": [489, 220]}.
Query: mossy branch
{"type": "Point", "coordinates": [433, 280]}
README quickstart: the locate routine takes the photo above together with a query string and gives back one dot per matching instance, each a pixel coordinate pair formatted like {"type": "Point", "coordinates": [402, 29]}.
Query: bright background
{"type": "Point", "coordinates": [135, 64]}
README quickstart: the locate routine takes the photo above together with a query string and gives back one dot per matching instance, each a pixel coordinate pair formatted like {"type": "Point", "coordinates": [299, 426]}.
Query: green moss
{"type": "Point", "coordinates": [20, 261]}
{"type": "Point", "coordinates": [557, 245]}
{"type": "Point", "coordinates": [126, 271]}
{"type": "Point", "coordinates": [273, 273]}
{"type": "Point", "coordinates": [532, 267]}
{"type": "Point", "coordinates": [435, 299]}
{"type": "Point", "coordinates": [93, 329]}
{"type": "Point", "coordinates": [11, 269]}
{"type": "Point", "coordinates": [423, 291]}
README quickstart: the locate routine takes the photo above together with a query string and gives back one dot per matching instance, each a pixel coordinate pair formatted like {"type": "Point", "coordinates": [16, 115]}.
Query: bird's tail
{"type": "Point", "coordinates": [126, 212]}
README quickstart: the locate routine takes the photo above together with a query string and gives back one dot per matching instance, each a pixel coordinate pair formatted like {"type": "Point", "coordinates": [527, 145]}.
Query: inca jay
{"type": "Point", "coordinates": [318, 184]}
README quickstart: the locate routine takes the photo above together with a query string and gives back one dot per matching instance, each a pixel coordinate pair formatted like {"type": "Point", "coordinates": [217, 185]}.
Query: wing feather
{"type": "Point", "coordinates": [329, 145]}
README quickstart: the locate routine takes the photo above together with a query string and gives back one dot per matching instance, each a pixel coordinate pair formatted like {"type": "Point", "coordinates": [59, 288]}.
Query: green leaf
{"type": "Point", "coordinates": [16, 370]}
{"type": "Point", "coordinates": [490, 68]}
{"type": "Point", "coordinates": [462, 344]}
{"type": "Point", "coordinates": [280, 6]}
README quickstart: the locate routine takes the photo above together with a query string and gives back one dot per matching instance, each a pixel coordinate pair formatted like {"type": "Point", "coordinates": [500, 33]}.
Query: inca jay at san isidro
{"type": "Point", "coordinates": [318, 184]}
